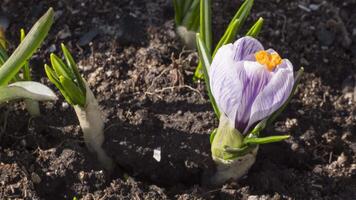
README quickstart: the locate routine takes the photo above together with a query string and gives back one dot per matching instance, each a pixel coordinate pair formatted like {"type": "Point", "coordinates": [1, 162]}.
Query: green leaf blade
{"type": "Point", "coordinates": [264, 140]}
{"type": "Point", "coordinates": [26, 48]}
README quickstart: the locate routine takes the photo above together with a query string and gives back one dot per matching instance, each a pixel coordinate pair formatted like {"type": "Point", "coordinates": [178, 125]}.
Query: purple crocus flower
{"type": "Point", "coordinates": [248, 82]}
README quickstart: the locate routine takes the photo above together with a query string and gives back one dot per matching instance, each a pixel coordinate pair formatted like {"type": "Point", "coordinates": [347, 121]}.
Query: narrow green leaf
{"type": "Point", "coordinates": [26, 67]}
{"type": "Point", "coordinates": [186, 5]}
{"type": "Point", "coordinates": [52, 76]}
{"type": "Point", "coordinates": [256, 28]}
{"type": "Point", "coordinates": [3, 56]}
{"type": "Point", "coordinates": [177, 12]}
{"type": "Point", "coordinates": [71, 63]}
{"type": "Point", "coordinates": [60, 68]}
{"type": "Point", "coordinates": [240, 151]}
{"type": "Point", "coordinates": [205, 24]}
{"type": "Point", "coordinates": [231, 33]}
{"type": "Point", "coordinates": [205, 33]}
{"type": "Point", "coordinates": [26, 48]}
{"type": "Point", "coordinates": [265, 140]}
{"type": "Point", "coordinates": [73, 91]}
{"type": "Point", "coordinates": [212, 135]}
{"type": "Point", "coordinates": [188, 17]}
{"type": "Point", "coordinates": [206, 60]}
{"type": "Point", "coordinates": [240, 15]}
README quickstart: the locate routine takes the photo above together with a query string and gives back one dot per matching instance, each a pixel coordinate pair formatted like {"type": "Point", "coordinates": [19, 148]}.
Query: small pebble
{"type": "Point", "coordinates": [35, 178]}
{"type": "Point", "coordinates": [65, 105]}
{"type": "Point", "coordinates": [314, 7]}
{"type": "Point", "coordinates": [325, 37]}
{"type": "Point", "coordinates": [88, 37]}
{"type": "Point", "coordinates": [341, 159]}
{"type": "Point", "coordinates": [4, 22]}
{"type": "Point", "coordinates": [52, 48]}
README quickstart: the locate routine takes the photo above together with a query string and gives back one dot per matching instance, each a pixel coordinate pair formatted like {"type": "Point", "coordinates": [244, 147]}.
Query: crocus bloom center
{"type": "Point", "coordinates": [270, 60]}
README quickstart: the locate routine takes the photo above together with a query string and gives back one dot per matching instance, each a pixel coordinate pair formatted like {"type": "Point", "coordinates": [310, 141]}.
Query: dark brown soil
{"type": "Point", "coordinates": [142, 76]}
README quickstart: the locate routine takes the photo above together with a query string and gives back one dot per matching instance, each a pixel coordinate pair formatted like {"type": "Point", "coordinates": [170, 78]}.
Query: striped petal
{"type": "Point", "coordinates": [226, 81]}
{"type": "Point", "coordinates": [245, 48]}
{"type": "Point", "coordinates": [274, 94]}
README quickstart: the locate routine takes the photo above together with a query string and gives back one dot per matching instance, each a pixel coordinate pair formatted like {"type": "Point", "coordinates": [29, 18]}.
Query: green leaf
{"type": "Point", "coordinates": [212, 135]}
{"type": "Point", "coordinates": [237, 152]}
{"type": "Point", "coordinates": [205, 32]}
{"type": "Point", "coordinates": [264, 140]}
{"type": "Point", "coordinates": [3, 56]}
{"type": "Point", "coordinates": [177, 11]}
{"type": "Point", "coordinates": [26, 48]}
{"type": "Point", "coordinates": [206, 60]}
{"type": "Point", "coordinates": [205, 24]}
{"type": "Point", "coordinates": [26, 67]}
{"type": "Point", "coordinates": [256, 28]}
{"type": "Point", "coordinates": [52, 76]}
{"type": "Point", "coordinates": [240, 15]}
{"type": "Point", "coordinates": [26, 90]}
{"type": "Point", "coordinates": [72, 90]}
{"type": "Point", "coordinates": [60, 68]}
{"type": "Point", "coordinates": [191, 14]}
{"type": "Point", "coordinates": [71, 63]}
{"type": "Point", "coordinates": [230, 33]}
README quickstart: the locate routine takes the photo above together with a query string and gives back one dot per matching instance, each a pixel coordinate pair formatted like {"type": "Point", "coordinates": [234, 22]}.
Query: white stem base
{"type": "Point", "coordinates": [92, 125]}
{"type": "Point", "coordinates": [232, 169]}
{"type": "Point", "coordinates": [33, 107]}
{"type": "Point", "coordinates": [187, 37]}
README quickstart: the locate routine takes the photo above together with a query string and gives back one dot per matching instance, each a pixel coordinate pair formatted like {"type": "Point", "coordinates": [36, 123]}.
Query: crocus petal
{"type": "Point", "coordinates": [255, 79]}
{"type": "Point", "coordinates": [226, 77]}
{"type": "Point", "coordinates": [274, 94]}
{"type": "Point", "coordinates": [236, 84]}
{"type": "Point", "coordinates": [246, 47]}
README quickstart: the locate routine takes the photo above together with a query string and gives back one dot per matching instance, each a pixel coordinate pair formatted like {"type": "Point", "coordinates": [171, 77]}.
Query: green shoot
{"type": "Point", "coordinates": [230, 33]}
{"type": "Point", "coordinates": [26, 48]}
{"type": "Point", "coordinates": [206, 60]}
{"type": "Point", "coordinates": [66, 77]}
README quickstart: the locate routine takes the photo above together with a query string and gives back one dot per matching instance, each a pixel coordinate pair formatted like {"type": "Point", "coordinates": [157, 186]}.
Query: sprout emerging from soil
{"type": "Point", "coordinates": [248, 85]}
{"type": "Point", "coordinates": [187, 20]}
{"type": "Point", "coordinates": [66, 77]}
{"type": "Point", "coordinates": [23, 88]}
{"type": "Point", "coordinates": [31, 105]}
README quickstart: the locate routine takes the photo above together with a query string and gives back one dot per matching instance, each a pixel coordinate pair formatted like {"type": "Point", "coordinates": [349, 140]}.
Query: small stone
{"type": "Point", "coordinates": [4, 22]}
{"type": "Point", "coordinates": [346, 136]}
{"type": "Point", "coordinates": [52, 48]}
{"type": "Point", "coordinates": [65, 105]}
{"type": "Point", "coordinates": [304, 61]}
{"type": "Point", "coordinates": [306, 9]}
{"type": "Point", "coordinates": [64, 33]}
{"type": "Point", "coordinates": [108, 73]}
{"type": "Point", "coordinates": [252, 197]}
{"type": "Point", "coordinates": [341, 159]}
{"type": "Point", "coordinates": [295, 146]}
{"type": "Point", "coordinates": [314, 7]}
{"type": "Point", "coordinates": [157, 154]}
{"type": "Point", "coordinates": [88, 37]}
{"type": "Point", "coordinates": [325, 37]}
{"type": "Point", "coordinates": [35, 178]}
{"type": "Point", "coordinates": [81, 176]}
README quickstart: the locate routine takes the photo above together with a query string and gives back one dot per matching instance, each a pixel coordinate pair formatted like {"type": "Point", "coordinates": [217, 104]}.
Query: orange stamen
{"type": "Point", "coordinates": [269, 60]}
